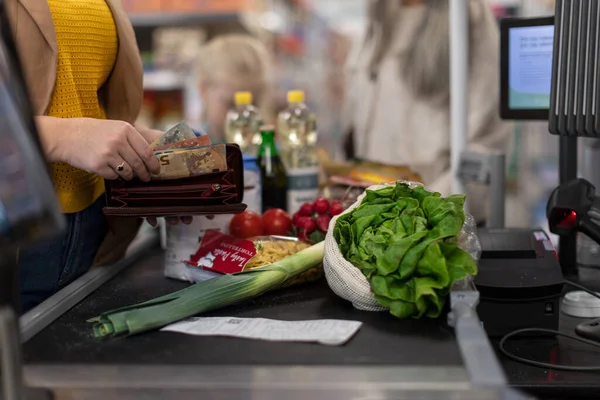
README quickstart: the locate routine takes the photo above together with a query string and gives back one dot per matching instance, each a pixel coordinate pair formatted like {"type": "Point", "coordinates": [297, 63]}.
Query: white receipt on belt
{"type": "Point", "coordinates": [325, 331]}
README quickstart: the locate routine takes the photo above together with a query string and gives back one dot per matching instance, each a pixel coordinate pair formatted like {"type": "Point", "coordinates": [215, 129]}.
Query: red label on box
{"type": "Point", "coordinates": [222, 253]}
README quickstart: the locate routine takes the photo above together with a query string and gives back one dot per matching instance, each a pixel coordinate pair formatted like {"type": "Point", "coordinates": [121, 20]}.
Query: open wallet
{"type": "Point", "coordinates": [204, 194]}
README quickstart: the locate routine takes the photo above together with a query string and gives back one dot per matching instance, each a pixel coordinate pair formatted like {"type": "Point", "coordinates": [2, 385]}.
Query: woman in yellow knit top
{"type": "Point", "coordinates": [84, 74]}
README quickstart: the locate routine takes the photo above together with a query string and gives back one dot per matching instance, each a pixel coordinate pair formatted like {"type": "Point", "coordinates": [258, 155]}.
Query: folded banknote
{"type": "Point", "coordinates": [183, 163]}
{"type": "Point", "coordinates": [187, 143]}
{"type": "Point", "coordinates": [178, 133]}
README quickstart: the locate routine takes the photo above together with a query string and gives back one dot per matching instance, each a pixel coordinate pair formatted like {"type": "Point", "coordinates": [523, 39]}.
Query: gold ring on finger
{"type": "Point", "coordinates": [121, 167]}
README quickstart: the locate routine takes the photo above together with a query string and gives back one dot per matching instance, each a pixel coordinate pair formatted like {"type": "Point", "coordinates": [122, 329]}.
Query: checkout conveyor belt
{"type": "Point", "coordinates": [385, 358]}
{"type": "Point", "coordinates": [382, 340]}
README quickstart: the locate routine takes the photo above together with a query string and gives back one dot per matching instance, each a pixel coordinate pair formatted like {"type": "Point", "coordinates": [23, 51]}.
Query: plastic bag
{"type": "Point", "coordinates": [349, 283]}
{"type": "Point", "coordinates": [182, 241]}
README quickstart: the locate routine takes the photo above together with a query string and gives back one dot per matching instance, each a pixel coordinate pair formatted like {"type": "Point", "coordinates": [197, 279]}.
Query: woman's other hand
{"type": "Point", "coordinates": [107, 148]}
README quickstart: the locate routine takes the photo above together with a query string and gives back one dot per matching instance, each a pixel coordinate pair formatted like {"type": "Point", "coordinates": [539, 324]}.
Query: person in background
{"type": "Point", "coordinates": [398, 105]}
{"type": "Point", "coordinates": [84, 74]}
{"type": "Point", "coordinates": [228, 64]}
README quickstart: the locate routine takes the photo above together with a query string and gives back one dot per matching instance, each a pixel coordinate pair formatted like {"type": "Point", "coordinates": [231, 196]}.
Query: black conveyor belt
{"type": "Point", "coordinates": [383, 340]}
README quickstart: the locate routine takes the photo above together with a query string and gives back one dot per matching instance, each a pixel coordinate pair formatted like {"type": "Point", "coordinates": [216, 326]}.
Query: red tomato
{"type": "Point", "coordinates": [276, 222]}
{"type": "Point", "coordinates": [246, 225]}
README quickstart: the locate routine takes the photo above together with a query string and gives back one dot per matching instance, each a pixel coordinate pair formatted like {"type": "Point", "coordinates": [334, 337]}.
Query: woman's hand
{"type": "Point", "coordinates": [105, 147]}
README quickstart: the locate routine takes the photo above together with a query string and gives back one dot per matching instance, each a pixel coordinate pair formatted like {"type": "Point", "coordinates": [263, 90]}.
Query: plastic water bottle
{"type": "Point", "coordinates": [296, 130]}
{"type": "Point", "coordinates": [242, 124]}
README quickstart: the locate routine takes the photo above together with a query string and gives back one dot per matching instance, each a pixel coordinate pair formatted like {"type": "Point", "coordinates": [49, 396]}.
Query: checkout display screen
{"type": "Point", "coordinates": [530, 67]}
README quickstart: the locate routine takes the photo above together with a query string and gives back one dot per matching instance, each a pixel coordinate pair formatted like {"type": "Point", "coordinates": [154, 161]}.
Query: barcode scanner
{"type": "Point", "coordinates": [574, 207]}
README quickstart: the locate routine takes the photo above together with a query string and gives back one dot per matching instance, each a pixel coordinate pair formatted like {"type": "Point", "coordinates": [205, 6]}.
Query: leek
{"type": "Point", "coordinates": [204, 296]}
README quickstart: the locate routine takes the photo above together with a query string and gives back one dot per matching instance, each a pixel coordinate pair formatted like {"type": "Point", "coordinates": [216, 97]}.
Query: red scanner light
{"type": "Point", "coordinates": [567, 219]}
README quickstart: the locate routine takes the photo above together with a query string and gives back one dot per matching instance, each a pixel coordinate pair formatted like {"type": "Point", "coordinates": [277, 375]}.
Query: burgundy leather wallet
{"type": "Point", "coordinates": [214, 193]}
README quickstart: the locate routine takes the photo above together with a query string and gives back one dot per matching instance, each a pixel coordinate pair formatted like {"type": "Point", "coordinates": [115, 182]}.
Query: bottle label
{"type": "Point", "coordinates": [303, 187]}
{"type": "Point", "coordinates": [252, 191]}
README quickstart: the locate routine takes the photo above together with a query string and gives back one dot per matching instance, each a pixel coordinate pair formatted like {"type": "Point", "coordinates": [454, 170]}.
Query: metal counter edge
{"type": "Point", "coordinates": [47, 312]}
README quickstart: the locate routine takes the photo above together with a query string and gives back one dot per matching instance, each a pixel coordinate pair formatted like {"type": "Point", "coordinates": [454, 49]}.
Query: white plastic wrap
{"type": "Point", "coordinates": [182, 242]}
{"type": "Point", "coordinates": [349, 283]}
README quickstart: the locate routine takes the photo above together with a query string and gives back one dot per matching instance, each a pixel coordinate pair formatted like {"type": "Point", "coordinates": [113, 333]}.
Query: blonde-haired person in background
{"type": "Point", "coordinates": [398, 109]}
{"type": "Point", "coordinates": [228, 64]}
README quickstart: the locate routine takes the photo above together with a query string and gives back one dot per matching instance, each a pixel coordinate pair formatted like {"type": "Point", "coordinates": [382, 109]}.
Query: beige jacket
{"type": "Point", "coordinates": [121, 96]}
{"type": "Point", "coordinates": [392, 126]}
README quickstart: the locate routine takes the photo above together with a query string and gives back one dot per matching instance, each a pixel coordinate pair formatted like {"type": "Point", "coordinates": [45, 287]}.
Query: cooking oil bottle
{"type": "Point", "coordinates": [242, 124]}
{"type": "Point", "coordinates": [296, 130]}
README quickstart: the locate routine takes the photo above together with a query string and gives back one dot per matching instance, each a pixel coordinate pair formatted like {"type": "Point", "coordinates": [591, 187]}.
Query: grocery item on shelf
{"type": "Point", "coordinates": [297, 134]}
{"type": "Point", "coordinates": [177, 48]}
{"type": "Point", "coordinates": [272, 172]}
{"type": "Point", "coordinates": [146, 117]}
{"type": "Point", "coordinates": [242, 124]}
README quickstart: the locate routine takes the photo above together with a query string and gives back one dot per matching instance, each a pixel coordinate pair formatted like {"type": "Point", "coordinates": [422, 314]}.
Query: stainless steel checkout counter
{"type": "Point", "coordinates": [387, 359]}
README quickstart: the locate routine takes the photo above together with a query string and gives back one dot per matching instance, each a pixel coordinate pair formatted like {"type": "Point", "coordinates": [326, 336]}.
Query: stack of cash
{"type": "Point", "coordinates": [182, 154]}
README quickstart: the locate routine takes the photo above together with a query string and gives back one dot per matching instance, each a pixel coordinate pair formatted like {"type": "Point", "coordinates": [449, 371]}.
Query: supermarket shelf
{"type": "Point", "coordinates": [163, 80]}
{"type": "Point", "coordinates": [151, 20]}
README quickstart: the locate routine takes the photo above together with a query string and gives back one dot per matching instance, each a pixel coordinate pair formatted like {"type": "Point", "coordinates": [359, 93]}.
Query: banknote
{"type": "Point", "coordinates": [183, 163]}
{"type": "Point", "coordinates": [178, 133]}
{"type": "Point", "coordinates": [187, 143]}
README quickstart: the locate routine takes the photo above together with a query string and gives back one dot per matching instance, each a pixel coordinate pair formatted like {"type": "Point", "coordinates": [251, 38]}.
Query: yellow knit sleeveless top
{"type": "Point", "coordinates": [87, 49]}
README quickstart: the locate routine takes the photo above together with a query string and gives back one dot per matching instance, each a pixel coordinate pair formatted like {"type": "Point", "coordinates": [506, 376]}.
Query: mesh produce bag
{"type": "Point", "coordinates": [348, 282]}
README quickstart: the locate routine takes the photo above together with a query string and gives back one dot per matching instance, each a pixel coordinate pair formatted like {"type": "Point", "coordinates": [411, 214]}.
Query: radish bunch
{"type": "Point", "coordinates": [312, 220]}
